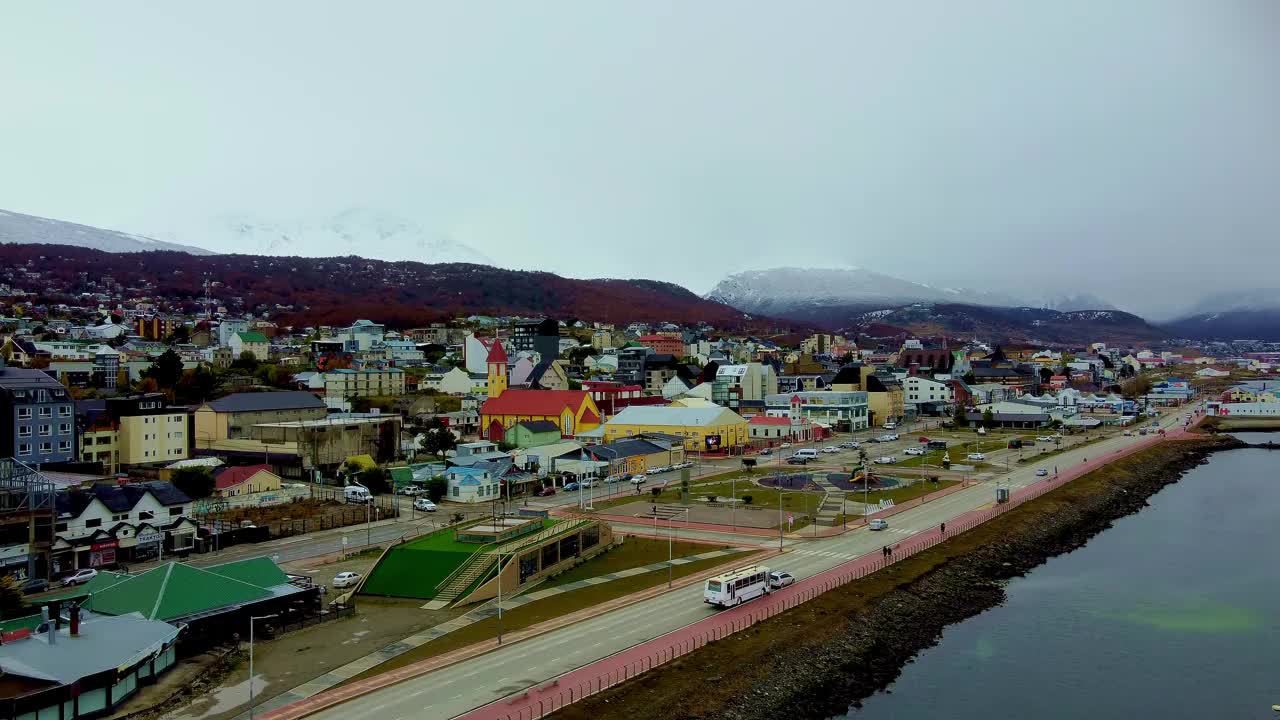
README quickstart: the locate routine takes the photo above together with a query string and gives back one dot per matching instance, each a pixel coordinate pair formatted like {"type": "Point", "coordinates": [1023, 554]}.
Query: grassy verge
{"type": "Point", "coordinates": [634, 552]}
{"type": "Point", "coordinates": [799, 501]}
{"type": "Point", "coordinates": [699, 686]}
{"type": "Point", "coordinates": [543, 610]}
{"type": "Point", "coordinates": [900, 495]}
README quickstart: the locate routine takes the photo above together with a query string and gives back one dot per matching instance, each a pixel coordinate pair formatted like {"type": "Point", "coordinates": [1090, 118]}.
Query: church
{"type": "Point", "coordinates": [572, 411]}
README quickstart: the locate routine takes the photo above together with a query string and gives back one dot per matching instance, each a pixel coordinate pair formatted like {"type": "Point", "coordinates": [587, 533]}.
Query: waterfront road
{"type": "Point", "coordinates": [455, 689]}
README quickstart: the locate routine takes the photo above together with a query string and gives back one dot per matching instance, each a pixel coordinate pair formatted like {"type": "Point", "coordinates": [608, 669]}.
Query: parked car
{"type": "Point", "coordinates": [35, 585]}
{"type": "Point", "coordinates": [424, 504]}
{"type": "Point", "coordinates": [588, 482]}
{"type": "Point", "coordinates": [890, 425]}
{"type": "Point", "coordinates": [683, 465]}
{"type": "Point", "coordinates": [570, 486]}
{"type": "Point", "coordinates": [913, 451]}
{"type": "Point", "coordinates": [892, 437]}
{"type": "Point", "coordinates": [878, 524]}
{"type": "Point", "coordinates": [1044, 438]}
{"type": "Point", "coordinates": [80, 577]}
{"type": "Point", "coordinates": [779, 580]}
{"type": "Point", "coordinates": [886, 460]}
{"type": "Point", "coordinates": [766, 452]}
{"type": "Point", "coordinates": [1128, 433]}
{"type": "Point", "coordinates": [410, 490]}
{"type": "Point", "coordinates": [830, 449]}
{"type": "Point", "coordinates": [659, 470]}
{"type": "Point", "coordinates": [547, 491]}
{"type": "Point", "coordinates": [784, 446]}
{"type": "Point", "coordinates": [924, 439]}
{"type": "Point", "coordinates": [1041, 472]}
{"type": "Point", "coordinates": [346, 579]}
{"type": "Point", "coordinates": [797, 460]}
{"type": "Point", "coordinates": [977, 456]}
{"type": "Point", "coordinates": [850, 444]}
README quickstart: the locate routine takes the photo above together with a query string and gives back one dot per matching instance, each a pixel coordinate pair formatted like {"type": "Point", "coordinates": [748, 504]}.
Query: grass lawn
{"type": "Point", "coordinates": [900, 495]}
{"type": "Point", "coordinates": [958, 453]}
{"type": "Point", "coordinates": [548, 609]}
{"type": "Point", "coordinates": [794, 500]}
{"type": "Point", "coordinates": [636, 551]}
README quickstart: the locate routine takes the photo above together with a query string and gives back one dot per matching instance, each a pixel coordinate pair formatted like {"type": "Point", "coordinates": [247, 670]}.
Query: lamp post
{"type": "Point", "coordinates": [670, 528]}
{"type": "Point", "coordinates": [252, 619]}
{"type": "Point", "coordinates": [499, 597]}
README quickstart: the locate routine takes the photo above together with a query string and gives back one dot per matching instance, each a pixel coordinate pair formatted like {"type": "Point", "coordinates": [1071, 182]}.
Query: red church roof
{"type": "Point", "coordinates": [496, 353]}
{"type": "Point", "coordinates": [235, 475]}
{"type": "Point", "coordinates": [766, 420]}
{"type": "Point", "coordinates": [544, 403]}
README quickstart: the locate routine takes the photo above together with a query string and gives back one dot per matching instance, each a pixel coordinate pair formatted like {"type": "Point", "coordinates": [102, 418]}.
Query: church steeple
{"type": "Point", "coordinates": [497, 362]}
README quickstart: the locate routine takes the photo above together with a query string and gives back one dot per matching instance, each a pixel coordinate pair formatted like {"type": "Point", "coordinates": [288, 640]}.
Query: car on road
{"type": "Point", "coordinates": [683, 465]}
{"type": "Point", "coordinates": [410, 490]}
{"type": "Point", "coordinates": [977, 456]}
{"type": "Point", "coordinates": [35, 585]}
{"type": "Point", "coordinates": [784, 446]}
{"type": "Point", "coordinates": [886, 460]}
{"type": "Point", "coordinates": [346, 579]}
{"type": "Point", "coordinates": [891, 437]}
{"type": "Point", "coordinates": [570, 486]}
{"type": "Point", "coordinates": [1041, 472]}
{"type": "Point", "coordinates": [913, 451]}
{"type": "Point", "coordinates": [1044, 438]}
{"type": "Point", "coordinates": [547, 491]}
{"type": "Point", "coordinates": [924, 439]}
{"type": "Point", "coordinates": [424, 505]}
{"type": "Point", "coordinates": [766, 452]}
{"type": "Point", "coordinates": [797, 460]}
{"type": "Point", "coordinates": [779, 579]}
{"type": "Point", "coordinates": [659, 470]}
{"type": "Point", "coordinates": [890, 425]}
{"type": "Point", "coordinates": [638, 480]}
{"type": "Point", "coordinates": [830, 449]}
{"type": "Point", "coordinates": [878, 524]}
{"type": "Point", "coordinates": [80, 577]}
{"type": "Point", "coordinates": [849, 444]}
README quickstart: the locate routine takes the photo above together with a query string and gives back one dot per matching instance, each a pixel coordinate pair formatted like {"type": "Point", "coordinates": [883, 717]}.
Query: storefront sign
{"type": "Point", "coordinates": [148, 538]}
{"type": "Point", "coordinates": [109, 545]}
{"type": "Point", "coordinates": [98, 558]}
{"type": "Point", "coordinates": [12, 553]}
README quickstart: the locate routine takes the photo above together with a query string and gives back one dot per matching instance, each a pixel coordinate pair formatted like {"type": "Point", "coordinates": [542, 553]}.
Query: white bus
{"type": "Point", "coordinates": [736, 586]}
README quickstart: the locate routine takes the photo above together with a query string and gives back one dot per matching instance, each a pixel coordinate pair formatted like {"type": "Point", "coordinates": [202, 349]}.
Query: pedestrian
{"type": "Point", "coordinates": [943, 528]}
{"type": "Point", "coordinates": [1055, 469]}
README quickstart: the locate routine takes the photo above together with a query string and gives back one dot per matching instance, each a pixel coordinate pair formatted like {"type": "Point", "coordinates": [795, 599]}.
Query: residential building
{"type": "Point", "coordinates": [402, 351]}
{"type": "Point", "coordinates": [841, 410]}
{"type": "Point", "coordinates": [749, 381]}
{"type": "Point", "coordinates": [233, 416]}
{"type": "Point", "coordinates": [229, 328]}
{"type": "Point", "coordinates": [541, 336]}
{"type": "Point", "coordinates": [925, 396]}
{"type": "Point", "coordinates": [452, 381]}
{"type": "Point", "coordinates": [703, 429]}
{"type": "Point", "coordinates": [658, 369]}
{"type": "Point", "coordinates": [635, 455]}
{"type": "Point", "coordinates": [631, 363]}
{"type": "Point", "coordinates": [103, 524]}
{"type": "Point", "coordinates": [250, 342]}
{"type": "Point", "coordinates": [768, 431]}
{"type": "Point", "coordinates": [532, 433]}
{"type": "Point", "coordinates": [663, 344]}
{"type": "Point", "coordinates": [472, 484]}
{"type": "Point", "coordinates": [37, 423]}
{"type": "Point", "coordinates": [362, 336]}
{"type": "Point", "coordinates": [346, 384]}
{"type": "Point", "coordinates": [245, 480]}
{"type": "Point", "coordinates": [159, 327]}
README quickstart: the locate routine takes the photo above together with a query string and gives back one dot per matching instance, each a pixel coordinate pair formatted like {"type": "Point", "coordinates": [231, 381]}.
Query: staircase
{"type": "Point", "coordinates": [475, 568]}
{"type": "Point", "coordinates": [832, 502]}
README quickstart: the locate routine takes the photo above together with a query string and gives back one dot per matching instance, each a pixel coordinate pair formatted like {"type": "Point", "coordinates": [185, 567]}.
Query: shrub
{"type": "Point", "coordinates": [746, 499]}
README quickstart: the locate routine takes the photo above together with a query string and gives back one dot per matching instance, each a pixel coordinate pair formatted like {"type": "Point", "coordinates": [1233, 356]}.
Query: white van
{"type": "Point", "coordinates": [806, 453]}
{"type": "Point", "coordinates": [357, 494]}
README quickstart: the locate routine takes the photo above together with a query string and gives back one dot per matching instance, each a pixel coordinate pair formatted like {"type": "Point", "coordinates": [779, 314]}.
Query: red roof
{"type": "Point", "coordinates": [496, 353]}
{"type": "Point", "coordinates": [235, 475]}
{"type": "Point", "coordinates": [766, 420]}
{"type": "Point", "coordinates": [536, 403]}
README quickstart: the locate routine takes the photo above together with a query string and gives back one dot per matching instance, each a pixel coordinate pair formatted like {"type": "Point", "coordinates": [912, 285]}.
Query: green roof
{"type": "Point", "coordinates": [175, 590]}
{"type": "Point", "coordinates": [30, 622]}
{"type": "Point", "coordinates": [103, 580]}
{"type": "Point", "coordinates": [255, 337]}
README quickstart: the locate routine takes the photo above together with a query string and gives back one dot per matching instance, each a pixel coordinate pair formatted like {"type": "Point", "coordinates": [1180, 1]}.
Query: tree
{"type": "Point", "coordinates": [988, 418]}
{"type": "Point", "coordinates": [437, 488]}
{"type": "Point", "coordinates": [961, 417]}
{"type": "Point", "coordinates": [969, 378]}
{"type": "Point", "coordinates": [166, 370]}
{"type": "Point", "coordinates": [180, 335]}
{"type": "Point", "coordinates": [146, 385]}
{"type": "Point", "coordinates": [11, 601]}
{"type": "Point", "coordinates": [1045, 375]}
{"type": "Point", "coordinates": [1136, 386]}
{"type": "Point", "coordinates": [247, 362]}
{"type": "Point", "coordinates": [197, 385]}
{"type": "Point", "coordinates": [377, 480]}
{"type": "Point", "coordinates": [196, 482]}
{"type": "Point", "coordinates": [655, 492]}
{"type": "Point", "coordinates": [437, 438]}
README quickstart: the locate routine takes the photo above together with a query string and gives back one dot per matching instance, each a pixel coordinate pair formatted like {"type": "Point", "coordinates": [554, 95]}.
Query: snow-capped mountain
{"type": "Point", "coordinates": [783, 292]}
{"type": "Point", "coordinates": [1253, 299]}
{"type": "Point", "coordinates": [355, 231]}
{"type": "Point", "coordinates": [1077, 301]}
{"type": "Point", "coordinates": [19, 229]}
{"type": "Point", "coordinates": [1238, 314]}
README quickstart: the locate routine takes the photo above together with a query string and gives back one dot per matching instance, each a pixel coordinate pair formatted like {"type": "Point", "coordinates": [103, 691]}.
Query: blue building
{"type": "Point", "coordinates": [37, 417]}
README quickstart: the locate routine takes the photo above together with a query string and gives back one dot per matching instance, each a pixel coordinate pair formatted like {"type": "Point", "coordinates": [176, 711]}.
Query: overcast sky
{"type": "Point", "coordinates": [1126, 148]}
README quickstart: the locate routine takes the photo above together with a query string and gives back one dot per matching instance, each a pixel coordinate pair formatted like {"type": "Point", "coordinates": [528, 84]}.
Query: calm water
{"type": "Point", "coordinates": [1172, 613]}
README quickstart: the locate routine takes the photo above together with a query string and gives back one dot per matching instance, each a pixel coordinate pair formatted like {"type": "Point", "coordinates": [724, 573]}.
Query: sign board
{"type": "Point", "coordinates": [14, 551]}
{"type": "Point", "coordinates": [148, 538]}
{"type": "Point", "coordinates": [109, 545]}
{"type": "Point", "coordinates": [344, 541]}
{"type": "Point", "coordinates": [712, 442]}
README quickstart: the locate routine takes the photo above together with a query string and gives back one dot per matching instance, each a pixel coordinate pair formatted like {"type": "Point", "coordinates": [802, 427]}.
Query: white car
{"type": "Point", "coordinates": [346, 579]}
{"type": "Point", "coordinates": [977, 456]}
{"type": "Point", "coordinates": [913, 451]}
{"type": "Point", "coordinates": [891, 437]}
{"type": "Point", "coordinates": [410, 490]}
{"type": "Point", "coordinates": [851, 444]}
{"type": "Point", "coordinates": [886, 460]}
{"type": "Point", "coordinates": [1044, 438]}
{"type": "Point", "coordinates": [779, 580]}
{"type": "Point", "coordinates": [658, 470]}
{"type": "Point", "coordinates": [878, 524]}
{"type": "Point", "coordinates": [784, 446]}
{"type": "Point", "coordinates": [1041, 472]}
{"type": "Point", "coordinates": [424, 504]}
{"type": "Point", "coordinates": [830, 449]}
{"type": "Point", "coordinates": [80, 577]}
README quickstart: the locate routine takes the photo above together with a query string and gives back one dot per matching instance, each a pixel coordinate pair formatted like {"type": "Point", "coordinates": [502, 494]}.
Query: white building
{"type": "Point", "coordinates": [917, 390]}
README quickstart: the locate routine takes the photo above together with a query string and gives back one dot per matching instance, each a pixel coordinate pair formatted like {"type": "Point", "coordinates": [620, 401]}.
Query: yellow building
{"type": "Point", "coordinates": [98, 444]}
{"type": "Point", "coordinates": [153, 438]}
{"type": "Point", "coordinates": [703, 428]}
{"type": "Point", "coordinates": [346, 383]}
{"type": "Point", "coordinates": [572, 411]}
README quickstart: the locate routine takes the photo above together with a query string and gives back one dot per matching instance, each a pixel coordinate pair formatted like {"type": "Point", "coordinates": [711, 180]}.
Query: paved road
{"type": "Point", "coordinates": [453, 690]}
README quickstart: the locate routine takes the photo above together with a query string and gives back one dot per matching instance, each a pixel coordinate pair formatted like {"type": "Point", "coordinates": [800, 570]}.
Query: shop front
{"type": "Point", "coordinates": [15, 560]}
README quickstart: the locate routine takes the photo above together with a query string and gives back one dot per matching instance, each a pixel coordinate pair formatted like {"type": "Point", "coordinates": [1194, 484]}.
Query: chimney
{"type": "Point", "coordinates": [74, 611]}
{"type": "Point", "coordinates": [51, 634]}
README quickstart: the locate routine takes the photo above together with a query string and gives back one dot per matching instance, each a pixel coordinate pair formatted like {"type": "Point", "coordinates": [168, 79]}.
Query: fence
{"type": "Point", "coordinates": [344, 611]}
{"type": "Point", "coordinates": [537, 702]}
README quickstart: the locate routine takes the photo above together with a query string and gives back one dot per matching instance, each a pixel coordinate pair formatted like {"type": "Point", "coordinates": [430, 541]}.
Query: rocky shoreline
{"type": "Point", "coordinates": [823, 679]}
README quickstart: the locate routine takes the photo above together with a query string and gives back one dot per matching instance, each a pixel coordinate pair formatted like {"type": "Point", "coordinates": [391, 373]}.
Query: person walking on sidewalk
{"type": "Point", "coordinates": [943, 529]}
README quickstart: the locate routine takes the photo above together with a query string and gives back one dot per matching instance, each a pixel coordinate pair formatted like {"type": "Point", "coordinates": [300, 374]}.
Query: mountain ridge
{"type": "Point", "coordinates": [21, 229]}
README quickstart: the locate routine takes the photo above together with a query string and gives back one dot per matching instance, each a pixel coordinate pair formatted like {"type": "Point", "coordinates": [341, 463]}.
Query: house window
{"type": "Point", "coordinates": [24, 431]}
{"type": "Point", "coordinates": [24, 413]}
{"type": "Point", "coordinates": [64, 428]}
{"type": "Point", "coordinates": [96, 522]}
{"type": "Point", "coordinates": [146, 515]}
{"type": "Point", "coordinates": [64, 411]}
{"type": "Point", "coordinates": [46, 429]}
{"type": "Point", "coordinates": [64, 446]}
{"type": "Point", "coordinates": [121, 516]}
{"type": "Point", "coordinates": [176, 511]}
{"type": "Point", "coordinates": [46, 412]}
{"type": "Point", "coordinates": [24, 448]}
{"type": "Point", "coordinates": [46, 447]}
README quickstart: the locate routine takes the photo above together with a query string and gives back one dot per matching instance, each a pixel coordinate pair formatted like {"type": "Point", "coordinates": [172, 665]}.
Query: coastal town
{"type": "Point", "coordinates": [432, 464]}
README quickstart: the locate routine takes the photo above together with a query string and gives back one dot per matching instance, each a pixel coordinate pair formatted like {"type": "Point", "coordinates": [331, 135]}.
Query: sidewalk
{"type": "Point", "coordinates": [490, 609]}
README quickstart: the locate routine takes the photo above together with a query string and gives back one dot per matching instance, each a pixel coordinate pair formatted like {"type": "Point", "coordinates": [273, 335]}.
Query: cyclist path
{"type": "Point", "coordinates": [490, 609]}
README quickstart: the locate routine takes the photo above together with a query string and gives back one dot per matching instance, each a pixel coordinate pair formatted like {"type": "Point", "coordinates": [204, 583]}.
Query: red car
{"type": "Point", "coordinates": [546, 491]}
{"type": "Point", "coordinates": [924, 439]}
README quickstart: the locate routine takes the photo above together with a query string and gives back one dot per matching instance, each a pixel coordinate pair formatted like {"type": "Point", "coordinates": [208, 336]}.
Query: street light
{"type": "Point", "coordinates": [670, 527]}
{"type": "Point", "coordinates": [499, 597]}
{"type": "Point", "coordinates": [252, 619]}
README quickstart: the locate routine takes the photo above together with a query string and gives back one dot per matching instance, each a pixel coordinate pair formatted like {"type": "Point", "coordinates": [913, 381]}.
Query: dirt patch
{"type": "Point", "coordinates": [820, 658]}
